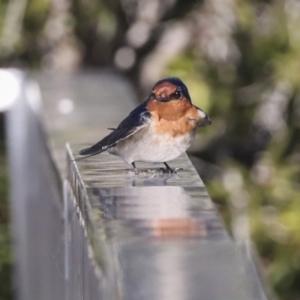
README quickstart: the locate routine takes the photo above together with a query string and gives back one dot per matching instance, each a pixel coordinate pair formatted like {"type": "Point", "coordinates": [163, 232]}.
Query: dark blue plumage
{"type": "Point", "coordinates": [135, 120]}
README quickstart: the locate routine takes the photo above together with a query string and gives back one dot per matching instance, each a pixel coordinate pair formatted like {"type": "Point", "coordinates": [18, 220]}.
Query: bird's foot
{"type": "Point", "coordinates": [137, 171]}
{"type": "Point", "coordinates": [170, 170]}
{"type": "Point", "coordinates": [133, 172]}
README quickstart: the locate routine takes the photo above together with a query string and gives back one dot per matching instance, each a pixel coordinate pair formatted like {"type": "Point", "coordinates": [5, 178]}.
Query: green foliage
{"type": "Point", "coordinates": [266, 72]}
{"type": "Point", "coordinates": [252, 96]}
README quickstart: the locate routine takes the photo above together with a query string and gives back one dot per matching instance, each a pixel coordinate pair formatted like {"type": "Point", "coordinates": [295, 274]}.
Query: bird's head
{"type": "Point", "coordinates": [170, 89]}
{"type": "Point", "coordinates": [169, 99]}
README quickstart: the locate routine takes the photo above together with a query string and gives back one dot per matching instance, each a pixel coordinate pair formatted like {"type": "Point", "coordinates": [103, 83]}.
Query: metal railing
{"type": "Point", "coordinates": [92, 230]}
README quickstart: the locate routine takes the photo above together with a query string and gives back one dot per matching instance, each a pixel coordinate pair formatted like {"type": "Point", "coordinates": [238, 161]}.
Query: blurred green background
{"type": "Point", "coordinates": [241, 62]}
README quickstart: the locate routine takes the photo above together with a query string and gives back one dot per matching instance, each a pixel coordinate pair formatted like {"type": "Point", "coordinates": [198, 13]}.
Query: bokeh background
{"type": "Point", "coordinates": [241, 62]}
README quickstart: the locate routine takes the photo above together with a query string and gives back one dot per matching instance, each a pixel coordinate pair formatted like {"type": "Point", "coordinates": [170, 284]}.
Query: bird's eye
{"type": "Point", "coordinates": [177, 95]}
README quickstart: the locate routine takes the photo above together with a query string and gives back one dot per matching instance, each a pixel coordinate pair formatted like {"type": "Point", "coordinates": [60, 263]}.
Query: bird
{"type": "Point", "coordinates": [158, 130]}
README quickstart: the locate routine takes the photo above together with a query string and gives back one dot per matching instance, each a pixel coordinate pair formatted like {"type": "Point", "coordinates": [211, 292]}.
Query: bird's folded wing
{"type": "Point", "coordinates": [138, 119]}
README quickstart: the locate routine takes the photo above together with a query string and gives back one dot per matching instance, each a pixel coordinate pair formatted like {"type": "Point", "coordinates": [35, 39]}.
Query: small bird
{"type": "Point", "coordinates": [158, 130]}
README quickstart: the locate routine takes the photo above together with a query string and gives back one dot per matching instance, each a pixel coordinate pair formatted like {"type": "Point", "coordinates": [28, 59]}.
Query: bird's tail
{"type": "Point", "coordinates": [101, 146]}
{"type": "Point", "coordinates": [93, 150]}
{"type": "Point", "coordinates": [87, 151]}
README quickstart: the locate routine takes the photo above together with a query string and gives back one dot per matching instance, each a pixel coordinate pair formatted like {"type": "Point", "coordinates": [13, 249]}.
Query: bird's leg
{"type": "Point", "coordinates": [170, 170]}
{"type": "Point", "coordinates": [136, 171]}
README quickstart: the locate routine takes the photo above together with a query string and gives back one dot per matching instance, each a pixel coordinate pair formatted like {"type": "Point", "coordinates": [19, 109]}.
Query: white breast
{"type": "Point", "coordinates": [147, 146]}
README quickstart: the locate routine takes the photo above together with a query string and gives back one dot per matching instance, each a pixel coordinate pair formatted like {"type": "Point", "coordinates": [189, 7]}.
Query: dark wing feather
{"type": "Point", "coordinates": [136, 120]}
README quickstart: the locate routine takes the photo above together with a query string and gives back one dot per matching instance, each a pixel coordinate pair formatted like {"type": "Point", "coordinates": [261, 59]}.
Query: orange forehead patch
{"type": "Point", "coordinates": [165, 88]}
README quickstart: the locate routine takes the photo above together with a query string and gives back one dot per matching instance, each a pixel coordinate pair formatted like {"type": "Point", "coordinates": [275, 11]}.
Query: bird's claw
{"type": "Point", "coordinates": [170, 171]}
{"type": "Point", "coordinates": [140, 173]}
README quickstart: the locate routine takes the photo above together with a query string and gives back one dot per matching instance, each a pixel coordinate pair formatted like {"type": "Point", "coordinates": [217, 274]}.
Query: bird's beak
{"type": "Point", "coordinates": [162, 99]}
{"type": "Point", "coordinates": [205, 121]}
